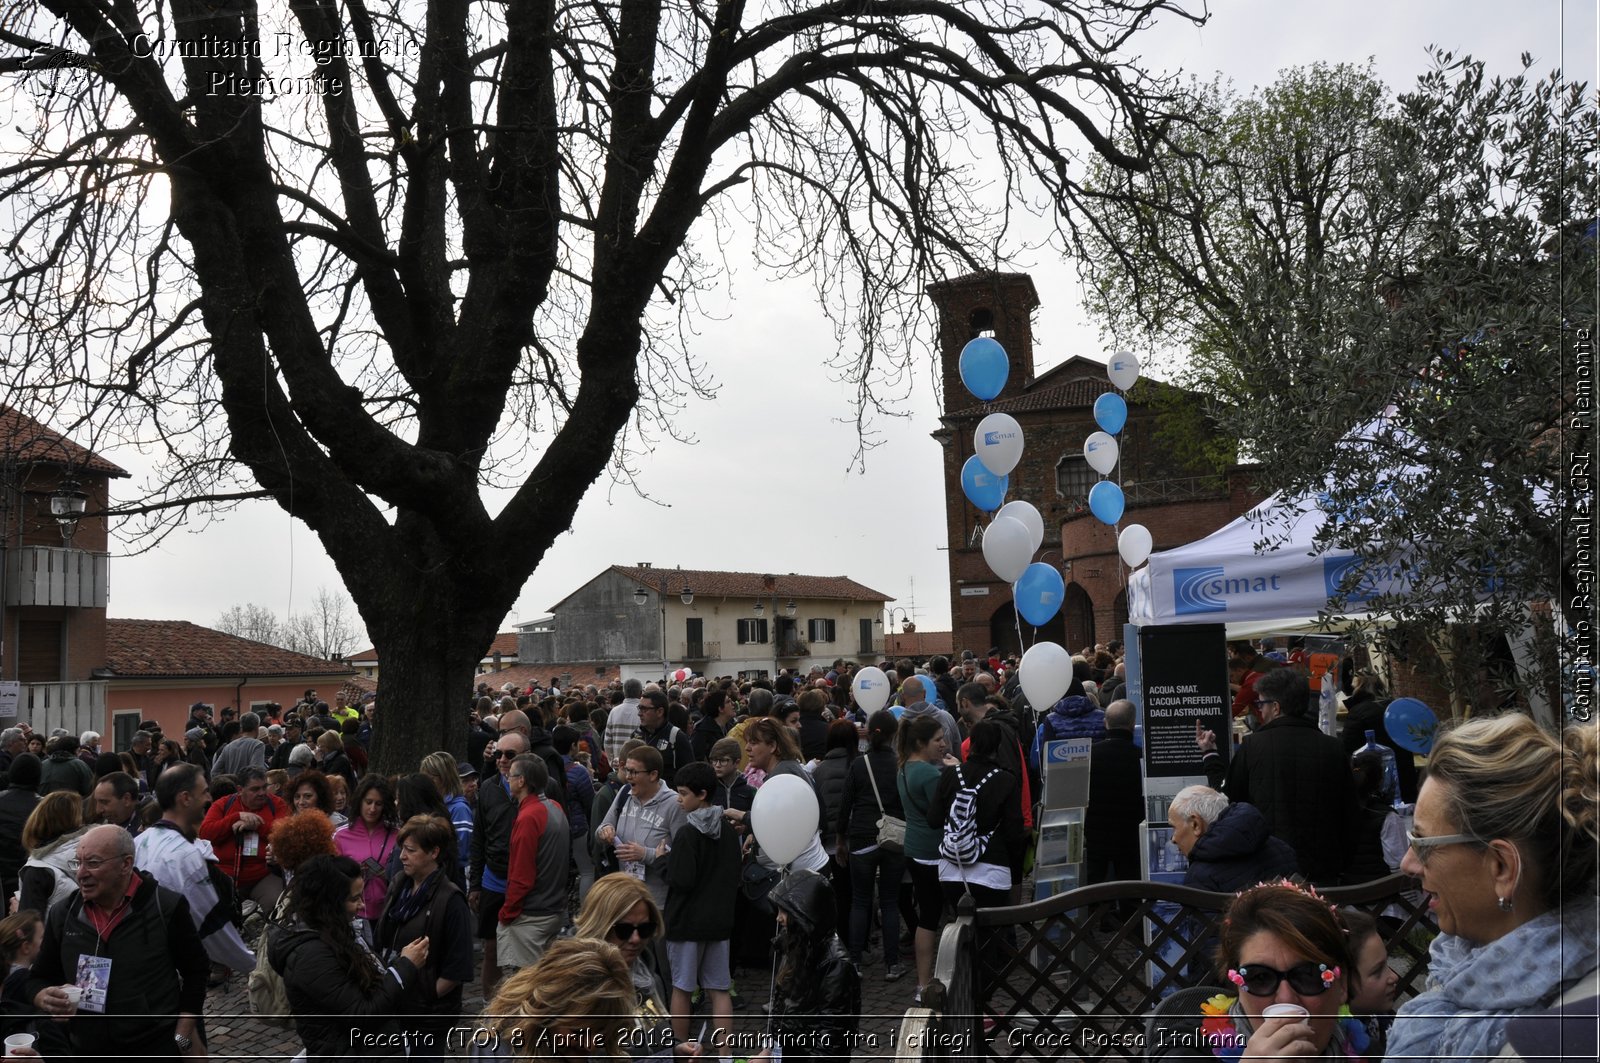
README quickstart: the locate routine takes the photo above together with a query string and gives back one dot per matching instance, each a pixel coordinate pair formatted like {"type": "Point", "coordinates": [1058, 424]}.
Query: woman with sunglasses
{"type": "Point", "coordinates": [1279, 945]}
{"type": "Point", "coordinates": [1505, 844]}
{"type": "Point", "coordinates": [620, 911]}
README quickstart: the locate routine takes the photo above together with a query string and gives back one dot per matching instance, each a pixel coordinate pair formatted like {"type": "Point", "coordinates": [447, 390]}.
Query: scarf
{"type": "Point", "coordinates": [409, 898]}
{"type": "Point", "coordinates": [1474, 990]}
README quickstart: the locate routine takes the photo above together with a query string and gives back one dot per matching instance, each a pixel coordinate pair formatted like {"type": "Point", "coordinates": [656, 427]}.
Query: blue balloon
{"type": "Point", "coordinates": [983, 488]}
{"type": "Point", "coordinates": [1410, 724]}
{"type": "Point", "coordinates": [1039, 593]}
{"type": "Point", "coordinates": [1106, 501]}
{"type": "Point", "coordinates": [984, 367]}
{"type": "Point", "coordinates": [1110, 412]}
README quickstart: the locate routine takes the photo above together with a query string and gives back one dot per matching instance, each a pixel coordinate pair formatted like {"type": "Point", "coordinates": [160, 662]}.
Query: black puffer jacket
{"type": "Point", "coordinates": [829, 775]}
{"type": "Point", "coordinates": [1300, 780]}
{"type": "Point", "coordinates": [1236, 852]}
{"type": "Point", "coordinates": [16, 805]}
{"type": "Point", "coordinates": [332, 1014]}
{"type": "Point", "coordinates": [815, 1008]}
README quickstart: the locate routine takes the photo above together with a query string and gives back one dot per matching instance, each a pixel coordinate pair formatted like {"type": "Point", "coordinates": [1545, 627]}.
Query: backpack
{"type": "Point", "coordinates": [962, 842]}
{"type": "Point", "coordinates": [269, 998]}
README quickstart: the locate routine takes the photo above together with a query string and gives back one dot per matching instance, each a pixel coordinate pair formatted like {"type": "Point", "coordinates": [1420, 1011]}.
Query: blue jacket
{"type": "Point", "coordinates": [1238, 851]}
{"type": "Point", "coordinates": [1071, 717]}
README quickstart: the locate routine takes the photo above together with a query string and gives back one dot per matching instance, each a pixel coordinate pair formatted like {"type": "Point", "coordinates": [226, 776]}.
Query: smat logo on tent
{"type": "Point", "coordinates": [1203, 590]}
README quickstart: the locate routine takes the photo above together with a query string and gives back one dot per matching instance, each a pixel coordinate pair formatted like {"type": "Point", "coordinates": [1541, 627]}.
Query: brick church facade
{"type": "Point", "coordinates": [1056, 412]}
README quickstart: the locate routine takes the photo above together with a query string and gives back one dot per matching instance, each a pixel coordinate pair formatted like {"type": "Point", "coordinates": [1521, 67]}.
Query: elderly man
{"type": "Point", "coordinates": [12, 742]}
{"type": "Point", "coordinates": [237, 828]}
{"type": "Point", "coordinates": [535, 903]}
{"type": "Point", "coordinates": [623, 720]}
{"type": "Point", "coordinates": [171, 852]}
{"type": "Point", "coordinates": [490, 853]}
{"type": "Point", "coordinates": [1228, 846]}
{"type": "Point", "coordinates": [131, 946]}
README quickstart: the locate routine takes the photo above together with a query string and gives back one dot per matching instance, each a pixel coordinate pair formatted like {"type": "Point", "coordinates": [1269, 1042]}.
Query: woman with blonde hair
{"type": "Point", "coordinates": [1505, 844]}
{"type": "Point", "coordinates": [50, 837]}
{"type": "Point", "coordinates": [577, 1001]}
{"type": "Point", "coordinates": [441, 768]}
{"type": "Point", "coordinates": [620, 911]}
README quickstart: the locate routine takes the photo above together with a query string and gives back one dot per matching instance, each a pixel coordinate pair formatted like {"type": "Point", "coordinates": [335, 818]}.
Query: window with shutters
{"type": "Point", "coordinates": [752, 632]}
{"type": "Point", "coordinates": [819, 631]}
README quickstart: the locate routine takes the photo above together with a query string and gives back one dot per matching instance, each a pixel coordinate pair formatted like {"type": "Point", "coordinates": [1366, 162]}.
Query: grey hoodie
{"type": "Point", "coordinates": [922, 707]}
{"type": "Point", "coordinates": [648, 823]}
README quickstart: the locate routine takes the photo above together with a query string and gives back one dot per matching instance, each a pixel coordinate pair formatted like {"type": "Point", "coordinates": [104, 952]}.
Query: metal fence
{"type": "Point", "coordinates": [1076, 974]}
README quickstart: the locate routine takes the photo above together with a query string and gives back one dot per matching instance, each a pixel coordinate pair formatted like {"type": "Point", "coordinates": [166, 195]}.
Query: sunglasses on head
{"type": "Point", "coordinates": [1307, 979]}
{"type": "Point", "coordinates": [625, 931]}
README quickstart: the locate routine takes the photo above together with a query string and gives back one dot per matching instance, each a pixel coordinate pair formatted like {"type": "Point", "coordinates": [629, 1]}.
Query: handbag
{"type": "Point", "coordinates": [756, 881]}
{"type": "Point", "coordinates": [891, 829]}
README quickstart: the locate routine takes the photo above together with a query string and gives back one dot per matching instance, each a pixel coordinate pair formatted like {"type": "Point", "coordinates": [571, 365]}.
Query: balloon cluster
{"type": "Point", "coordinates": [1101, 451]}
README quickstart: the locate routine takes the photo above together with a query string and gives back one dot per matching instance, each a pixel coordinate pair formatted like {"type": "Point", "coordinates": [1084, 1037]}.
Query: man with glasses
{"type": "Point", "coordinates": [641, 826]}
{"type": "Point", "coordinates": [132, 949]}
{"type": "Point", "coordinates": [535, 902]}
{"type": "Point", "coordinates": [1298, 777]}
{"type": "Point", "coordinates": [490, 852]}
{"type": "Point", "coordinates": [658, 733]}
{"type": "Point", "coordinates": [238, 827]}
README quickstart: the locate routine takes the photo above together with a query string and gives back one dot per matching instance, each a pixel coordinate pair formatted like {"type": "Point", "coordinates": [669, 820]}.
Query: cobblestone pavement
{"type": "Point", "coordinates": [236, 1034]}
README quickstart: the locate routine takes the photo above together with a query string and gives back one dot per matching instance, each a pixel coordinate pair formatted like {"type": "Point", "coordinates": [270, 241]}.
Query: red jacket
{"type": "Point", "coordinates": [217, 828]}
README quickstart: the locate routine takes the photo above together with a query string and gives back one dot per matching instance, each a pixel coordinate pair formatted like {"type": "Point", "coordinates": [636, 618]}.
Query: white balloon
{"type": "Point", "coordinates": [998, 443]}
{"type": "Point", "coordinates": [1045, 674]}
{"type": "Point", "coordinates": [1100, 451]}
{"type": "Point", "coordinates": [1123, 369]}
{"type": "Point", "coordinates": [1007, 547]}
{"type": "Point", "coordinates": [871, 688]}
{"type": "Point", "coordinates": [1029, 516]}
{"type": "Point", "coordinates": [784, 817]}
{"type": "Point", "coordinates": [1134, 544]}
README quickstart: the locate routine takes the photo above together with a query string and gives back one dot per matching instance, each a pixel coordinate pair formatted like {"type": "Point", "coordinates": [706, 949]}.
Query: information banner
{"type": "Point", "coordinates": [10, 695]}
{"type": "Point", "coordinates": [1184, 672]}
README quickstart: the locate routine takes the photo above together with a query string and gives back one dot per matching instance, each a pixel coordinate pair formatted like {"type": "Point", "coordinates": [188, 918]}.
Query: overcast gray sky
{"type": "Point", "coordinates": [766, 487]}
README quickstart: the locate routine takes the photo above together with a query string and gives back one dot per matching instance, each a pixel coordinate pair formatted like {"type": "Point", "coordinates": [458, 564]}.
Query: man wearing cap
{"type": "Point", "coordinates": [469, 783]}
{"type": "Point", "coordinates": [291, 738]}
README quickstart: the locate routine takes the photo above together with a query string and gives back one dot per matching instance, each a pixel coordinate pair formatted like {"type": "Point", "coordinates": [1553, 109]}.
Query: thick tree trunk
{"type": "Point", "coordinates": [429, 633]}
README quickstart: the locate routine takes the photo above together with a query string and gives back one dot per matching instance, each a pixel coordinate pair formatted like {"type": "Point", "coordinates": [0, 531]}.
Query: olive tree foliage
{"type": "Point", "coordinates": [1381, 293]}
{"type": "Point", "coordinates": [369, 257]}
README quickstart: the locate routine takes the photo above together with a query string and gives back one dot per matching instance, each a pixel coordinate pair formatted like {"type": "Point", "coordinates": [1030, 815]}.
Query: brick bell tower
{"type": "Point", "coordinates": [999, 305]}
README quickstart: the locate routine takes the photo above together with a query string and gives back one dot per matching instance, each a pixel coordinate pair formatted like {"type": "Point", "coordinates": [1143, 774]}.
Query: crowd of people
{"type": "Point", "coordinates": [625, 819]}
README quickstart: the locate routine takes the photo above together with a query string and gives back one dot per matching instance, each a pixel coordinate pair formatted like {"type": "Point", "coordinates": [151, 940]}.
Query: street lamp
{"type": "Point", "coordinates": [641, 595]}
{"type": "Point", "coordinates": [789, 609]}
{"type": "Point", "coordinates": [67, 506]}
{"type": "Point", "coordinates": [758, 609]}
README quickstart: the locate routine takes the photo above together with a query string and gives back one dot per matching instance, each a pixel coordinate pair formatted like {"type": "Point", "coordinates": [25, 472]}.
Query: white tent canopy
{"type": "Point", "coordinates": [1223, 579]}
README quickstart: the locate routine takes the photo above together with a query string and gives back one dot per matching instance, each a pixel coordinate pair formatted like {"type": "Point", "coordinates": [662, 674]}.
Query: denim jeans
{"type": "Point", "coordinates": [886, 868]}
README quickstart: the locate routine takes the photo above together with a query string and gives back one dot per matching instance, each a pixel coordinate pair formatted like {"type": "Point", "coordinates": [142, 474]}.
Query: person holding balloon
{"type": "Point", "coordinates": [772, 750]}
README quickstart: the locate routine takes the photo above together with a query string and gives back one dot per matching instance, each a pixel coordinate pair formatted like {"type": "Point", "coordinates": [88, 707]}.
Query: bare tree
{"type": "Point", "coordinates": [348, 255]}
{"type": "Point", "coordinates": [254, 622]}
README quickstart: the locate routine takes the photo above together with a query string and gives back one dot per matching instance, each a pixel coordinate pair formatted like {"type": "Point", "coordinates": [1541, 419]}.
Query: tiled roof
{"type": "Point", "coordinates": [919, 644]}
{"type": "Point", "coordinates": [714, 584]}
{"type": "Point", "coordinates": [27, 442]}
{"type": "Point", "coordinates": [521, 674]}
{"type": "Point", "coordinates": [177, 648]}
{"type": "Point", "coordinates": [1073, 384]}
{"type": "Point", "coordinates": [355, 687]}
{"type": "Point", "coordinates": [505, 644]}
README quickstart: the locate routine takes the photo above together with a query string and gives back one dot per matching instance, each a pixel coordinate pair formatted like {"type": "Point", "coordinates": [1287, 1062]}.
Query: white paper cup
{"type": "Point", "coordinates": [1284, 1011]}
{"type": "Point", "coordinates": [74, 994]}
{"type": "Point", "coordinates": [18, 1040]}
